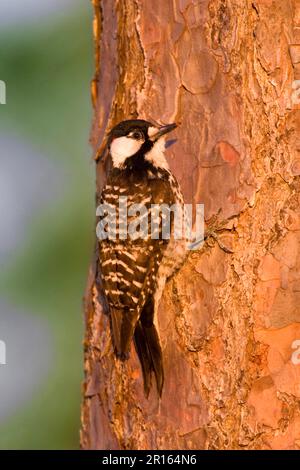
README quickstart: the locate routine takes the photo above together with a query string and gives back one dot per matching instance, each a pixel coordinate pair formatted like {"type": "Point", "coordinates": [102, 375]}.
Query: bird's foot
{"type": "Point", "coordinates": [214, 228]}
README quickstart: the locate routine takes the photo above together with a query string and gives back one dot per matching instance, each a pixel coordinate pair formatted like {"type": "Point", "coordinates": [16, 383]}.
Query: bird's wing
{"type": "Point", "coordinates": [129, 267]}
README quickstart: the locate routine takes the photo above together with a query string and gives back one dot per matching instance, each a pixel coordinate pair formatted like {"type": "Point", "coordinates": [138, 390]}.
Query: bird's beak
{"type": "Point", "coordinates": [162, 131]}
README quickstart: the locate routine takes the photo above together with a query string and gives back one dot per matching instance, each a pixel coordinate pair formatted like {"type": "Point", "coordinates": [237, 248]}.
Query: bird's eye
{"type": "Point", "coordinates": [137, 135]}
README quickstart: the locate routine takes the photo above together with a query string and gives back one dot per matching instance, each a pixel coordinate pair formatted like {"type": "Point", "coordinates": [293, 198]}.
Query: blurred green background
{"type": "Point", "coordinates": [47, 214]}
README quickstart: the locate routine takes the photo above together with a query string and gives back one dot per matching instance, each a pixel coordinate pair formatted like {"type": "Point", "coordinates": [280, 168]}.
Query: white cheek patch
{"type": "Point", "coordinates": [123, 147]}
{"type": "Point", "coordinates": [157, 154]}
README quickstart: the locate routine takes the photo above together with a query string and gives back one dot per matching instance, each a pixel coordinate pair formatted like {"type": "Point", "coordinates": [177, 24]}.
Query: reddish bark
{"type": "Point", "coordinates": [225, 70]}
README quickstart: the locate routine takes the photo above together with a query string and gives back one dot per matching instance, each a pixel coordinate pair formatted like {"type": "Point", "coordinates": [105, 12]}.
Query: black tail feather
{"type": "Point", "coordinates": [123, 324]}
{"type": "Point", "coordinates": [148, 348]}
{"type": "Point", "coordinates": [143, 353]}
{"type": "Point", "coordinates": [125, 327]}
{"type": "Point", "coordinates": [154, 347]}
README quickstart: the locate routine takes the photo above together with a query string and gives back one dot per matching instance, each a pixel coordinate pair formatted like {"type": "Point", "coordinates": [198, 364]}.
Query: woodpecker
{"type": "Point", "coordinates": [134, 271]}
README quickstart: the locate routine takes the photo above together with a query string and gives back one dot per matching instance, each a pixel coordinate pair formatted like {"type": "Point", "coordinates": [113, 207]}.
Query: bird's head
{"type": "Point", "coordinates": [138, 141]}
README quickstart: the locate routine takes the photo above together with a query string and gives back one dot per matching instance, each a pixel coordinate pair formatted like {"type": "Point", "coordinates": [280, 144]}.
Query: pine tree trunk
{"type": "Point", "coordinates": [227, 71]}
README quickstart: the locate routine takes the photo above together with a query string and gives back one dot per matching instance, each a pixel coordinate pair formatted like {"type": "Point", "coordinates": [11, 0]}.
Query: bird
{"type": "Point", "coordinates": [134, 270]}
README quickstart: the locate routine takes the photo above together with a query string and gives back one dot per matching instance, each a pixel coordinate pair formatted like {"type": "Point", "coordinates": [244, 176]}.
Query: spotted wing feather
{"type": "Point", "coordinates": [129, 267]}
